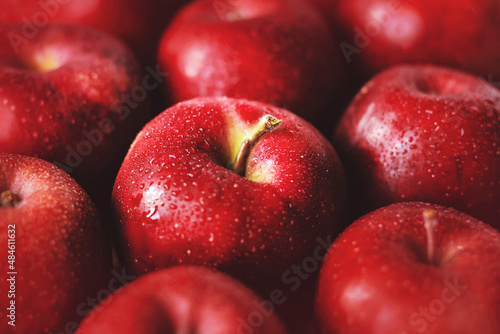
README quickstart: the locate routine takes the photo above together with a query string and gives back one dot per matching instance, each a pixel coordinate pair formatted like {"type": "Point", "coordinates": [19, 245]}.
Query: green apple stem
{"type": "Point", "coordinates": [266, 124]}
{"type": "Point", "coordinates": [430, 226]}
{"type": "Point", "coordinates": [8, 199]}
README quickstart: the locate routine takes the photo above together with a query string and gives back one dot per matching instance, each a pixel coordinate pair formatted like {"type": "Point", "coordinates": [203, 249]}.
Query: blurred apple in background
{"type": "Point", "coordinates": [73, 96]}
{"type": "Point", "coordinates": [424, 133]}
{"type": "Point", "coordinates": [55, 244]}
{"type": "Point", "coordinates": [183, 299]}
{"type": "Point", "coordinates": [138, 23]}
{"type": "Point", "coordinates": [377, 34]}
{"type": "Point", "coordinates": [412, 268]}
{"type": "Point", "coordinates": [274, 51]}
{"type": "Point", "coordinates": [238, 185]}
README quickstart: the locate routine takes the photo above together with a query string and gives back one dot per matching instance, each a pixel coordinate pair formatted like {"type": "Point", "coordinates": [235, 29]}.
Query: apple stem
{"type": "Point", "coordinates": [430, 226]}
{"type": "Point", "coordinates": [266, 124]}
{"type": "Point", "coordinates": [8, 199]}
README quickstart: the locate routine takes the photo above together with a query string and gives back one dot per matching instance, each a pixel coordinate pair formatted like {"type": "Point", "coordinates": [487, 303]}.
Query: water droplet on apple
{"type": "Point", "coordinates": [153, 213]}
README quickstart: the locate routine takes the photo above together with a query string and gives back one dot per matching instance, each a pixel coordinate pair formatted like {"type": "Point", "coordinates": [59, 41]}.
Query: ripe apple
{"type": "Point", "coordinates": [238, 185]}
{"type": "Point", "coordinates": [412, 268]}
{"type": "Point", "coordinates": [73, 96]}
{"type": "Point", "coordinates": [183, 299]}
{"type": "Point", "coordinates": [139, 23]}
{"type": "Point", "coordinates": [54, 252]}
{"type": "Point", "coordinates": [275, 51]}
{"type": "Point", "coordinates": [382, 33]}
{"type": "Point", "coordinates": [424, 133]}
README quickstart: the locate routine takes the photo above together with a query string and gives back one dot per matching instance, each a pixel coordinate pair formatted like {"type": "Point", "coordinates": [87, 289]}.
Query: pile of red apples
{"type": "Point", "coordinates": [250, 166]}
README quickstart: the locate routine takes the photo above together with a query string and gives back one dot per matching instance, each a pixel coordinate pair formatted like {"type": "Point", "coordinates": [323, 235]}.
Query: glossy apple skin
{"type": "Point", "coordinates": [182, 299]}
{"type": "Point", "coordinates": [139, 24]}
{"type": "Point", "coordinates": [424, 133]}
{"type": "Point", "coordinates": [176, 203]}
{"type": "Point", "coordinates": [376, 278]}
{"type": "Point", "coordinates": [46, 110]}
{"type": "Point", "coordinates": [61, 254]}
{"type": "Point", "coordinates": [418, 32]}
{"type": "Point", "coordinates": [274, 51]}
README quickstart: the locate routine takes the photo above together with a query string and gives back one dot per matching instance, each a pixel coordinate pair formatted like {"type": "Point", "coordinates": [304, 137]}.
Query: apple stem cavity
{"type": "Point", "coordinates": [8, 199]}
{"type": "Point", "coordinates": [266, 124]}
{"type": "Point", "coordinates": [430, 224]}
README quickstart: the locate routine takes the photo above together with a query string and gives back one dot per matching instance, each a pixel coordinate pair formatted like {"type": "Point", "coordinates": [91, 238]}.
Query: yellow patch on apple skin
{"type": "Point", "coordinates": [234, 16]}
{"type": "Point", "coordinates": [46, 61]}
{"type": "Point", "coordinates": [237, 132]}
{"type": "Point", "coordinates": [261, 172]}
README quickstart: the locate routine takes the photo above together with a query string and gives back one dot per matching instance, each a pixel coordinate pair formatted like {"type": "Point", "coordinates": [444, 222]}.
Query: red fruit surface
{"type": "Point", "coordinates": [138, 23]}
{"type": "Point", "coordinates": [60, 254]}
{"type": "Point", "coordinates": [177, 203]}
{"type": "Point", "coordinates": [183, 299]}
{"type": "Point", "coordinates": [424, 133]}
{"type": "Point", "coordinates": [462, 34]}
{"type": "Point", "coordinates": [377, 278]}
{"type": "Point", "coordinates": [66, 97]}
{"type": "Point", "coordinates": [274, 51]}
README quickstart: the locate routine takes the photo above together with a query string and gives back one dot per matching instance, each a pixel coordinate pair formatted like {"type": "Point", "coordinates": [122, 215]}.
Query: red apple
{"type": "Point", "coordinates": [73, 96]}
{"type": "Point", "coordinates": [274, 51]}
{"type": "Point", "coordinates": [221, 182]}
{"type": "Point", "coordinates": [54, 252]}
{"type": "Point", "coordinates": [139, 23]}
{"type": "Point", "coordinates": [183, 299]}
{"type": "Point", "coordinates": [412, 268]}
{"type": "Point", "coordinates": [424, 133]}
{"type": "Point", "coordinates": [462, 34]}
